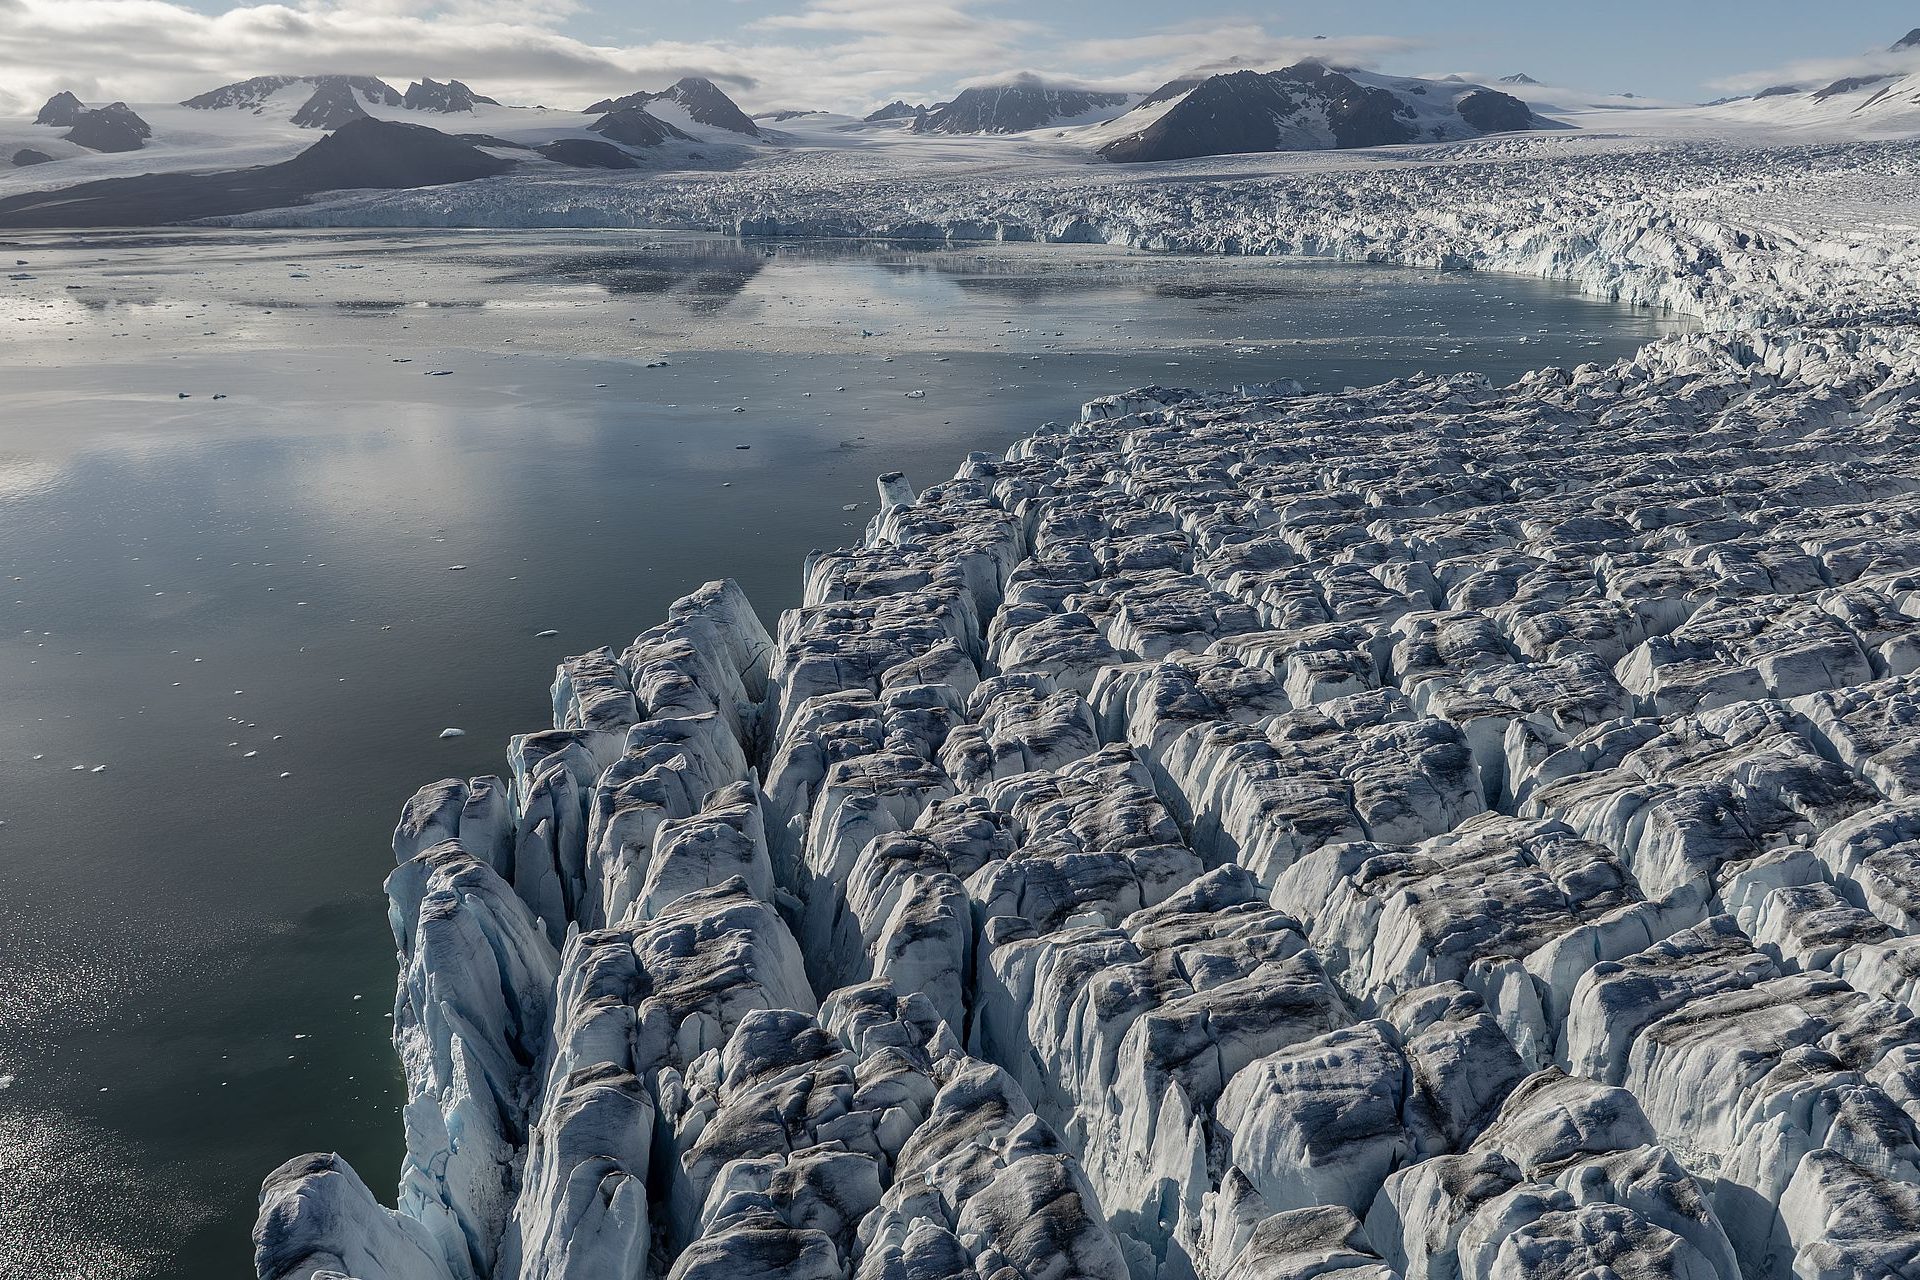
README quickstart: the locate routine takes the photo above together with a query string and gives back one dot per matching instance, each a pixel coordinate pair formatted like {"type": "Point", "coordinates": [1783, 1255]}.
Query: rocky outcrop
{"type": "Point", "coordinates": [431, 95]}
{"type": "Point", "coordinates": [62, 110]}
{"type": "Point", "coordinates": [585, 153]}
{"type": "Point", "coordinates": [635, 127]}
{"type": "Point", "coordinates": [111, 128]}
{"type": "Point", "coordinates": [29, 156]}
{"type": "Point", "coordinates": [898, 109]}
{"type": "Point", "coordinates": [1491, 111]}
{"type": "Point", "coordinates": [332, 106]}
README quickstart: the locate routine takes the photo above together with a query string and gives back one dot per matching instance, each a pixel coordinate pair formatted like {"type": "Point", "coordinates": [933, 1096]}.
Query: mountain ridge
{"type": "Point", "coordinates": [1308, 106]}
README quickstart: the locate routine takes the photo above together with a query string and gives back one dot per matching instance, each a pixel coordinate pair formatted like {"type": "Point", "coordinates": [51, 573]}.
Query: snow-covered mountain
{"type": "Point", "coordinates": [692, 101]}
{"type": "Point", "coordinates": [1881, 100]}
{"type": "Point", "coordinates": [332, 105]}
{"type": "Point", "coordinates": [253, 94]}
{"type": "Point", "coordinates": [1025, 102]}
{"type": "Point", "coordinates": [269, 120]}
{"type": "Point", "coordinates": [1305, 107]}
{"type": "Point", "coordinates": [1873, 105]}
{"type": "Point", "coordinates": [898, 109]}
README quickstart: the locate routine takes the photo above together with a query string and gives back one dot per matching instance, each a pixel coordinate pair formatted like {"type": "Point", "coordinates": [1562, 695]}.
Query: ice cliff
{"type": "Point", "coordinates": [1736, 233]}
{"type": "Point", "coordinates": [1441, 831]}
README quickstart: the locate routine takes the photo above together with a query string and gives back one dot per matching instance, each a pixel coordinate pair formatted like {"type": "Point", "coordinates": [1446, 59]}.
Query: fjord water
{"type": "Point", "coordinates": [277, 509]}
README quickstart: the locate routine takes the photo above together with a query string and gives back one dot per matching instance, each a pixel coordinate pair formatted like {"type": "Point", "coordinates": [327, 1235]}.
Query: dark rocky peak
{"type": "Point", "coordinates": [1520, 77]}
{"type": "Point", "coordinates": [1491, 111]}
{"type": "Point", "coordinates": [111, 128]}
{"type": "Point", "coordinates": [585, 153]}
{"type": "Point", "coordinates": [633, 127]}
{"type": "Point", "coordinates": [704, 102]}
{"type": "Point", "coordinates": [430, 95]}
{"type": "Point", "coordinates": [898, 109]}
{"type": "Point", "coordinates": [1911, 40]}
{"type": "Point", "coordinates": [62, 110]}
{"type": "Point", "coordinates": [331, 106]}
{"type": "Point", "coordinates": [28, 156]}
{"type": "Point", "coordinates": [708, 104]}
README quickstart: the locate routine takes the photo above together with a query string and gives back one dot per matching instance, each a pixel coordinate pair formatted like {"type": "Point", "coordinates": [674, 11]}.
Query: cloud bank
{"type": "Point", "coordinates": [1813, 73]}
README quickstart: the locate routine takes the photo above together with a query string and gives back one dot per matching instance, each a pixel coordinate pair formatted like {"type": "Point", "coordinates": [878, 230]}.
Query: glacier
{"type": "Point", "coordinates": [1431, 831]}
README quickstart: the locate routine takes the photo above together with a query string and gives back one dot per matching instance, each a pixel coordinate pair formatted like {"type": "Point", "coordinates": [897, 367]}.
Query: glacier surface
{"type": "Point", "coordinates": [1439, 830]}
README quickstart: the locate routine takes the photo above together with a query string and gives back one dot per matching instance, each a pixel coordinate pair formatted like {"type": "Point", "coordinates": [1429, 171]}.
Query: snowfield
{"type": "Point", "coordinates": [1439, 830]}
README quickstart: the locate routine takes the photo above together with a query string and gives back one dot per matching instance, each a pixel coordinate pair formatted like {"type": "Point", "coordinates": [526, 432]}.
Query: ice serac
{"type": "Point", "coordinates": [470, 1024]}
{"type": "Point", "coordinates": [615, 1059]}
{"type": "Point", "coordinates": [318, 1219]}
{"type": "Point", "coordinates": [1440, 830]}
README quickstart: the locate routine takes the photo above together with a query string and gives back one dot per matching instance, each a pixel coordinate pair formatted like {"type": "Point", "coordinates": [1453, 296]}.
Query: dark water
{"type": "Point", "coordinates": [233, 630]}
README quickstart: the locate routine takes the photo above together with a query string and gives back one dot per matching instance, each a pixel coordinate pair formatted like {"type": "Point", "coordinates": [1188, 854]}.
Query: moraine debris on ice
{"type": "Point", "coordinates": [1441, 830]}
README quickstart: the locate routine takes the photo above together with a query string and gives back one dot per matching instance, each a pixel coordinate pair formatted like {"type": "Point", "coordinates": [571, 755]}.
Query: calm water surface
{"type": "Point", "coordinates": [231, 625]}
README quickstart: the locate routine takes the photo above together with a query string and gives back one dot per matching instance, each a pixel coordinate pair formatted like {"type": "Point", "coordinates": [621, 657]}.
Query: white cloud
{"type": "Point", "coordinates": [836, 54]}
{"type": "Point", "coordinates": [1162, 55]}
{"type": "Point", "coordinates": [1813, 73]}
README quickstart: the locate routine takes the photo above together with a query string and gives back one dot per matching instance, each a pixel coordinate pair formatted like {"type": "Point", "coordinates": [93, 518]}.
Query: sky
{"type": "Point", "coordinates": [850, 55]}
